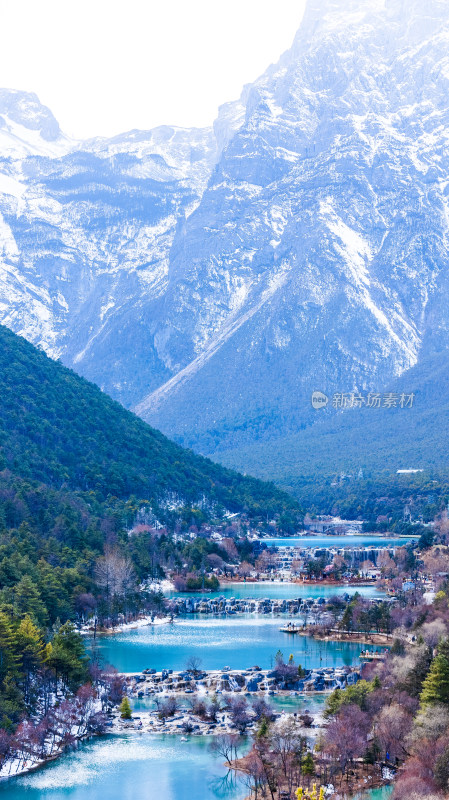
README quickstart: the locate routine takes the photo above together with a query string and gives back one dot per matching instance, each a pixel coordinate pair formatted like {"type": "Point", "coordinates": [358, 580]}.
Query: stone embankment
{"type": "Point", "coordinates": [233, 605]}
{"type": "Point", "coordinates": [185, 721]}
{"type": "Point", "coordinates": [249, 681]}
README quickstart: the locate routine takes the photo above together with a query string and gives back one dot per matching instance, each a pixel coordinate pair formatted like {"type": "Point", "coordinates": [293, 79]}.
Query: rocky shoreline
{"type": "Point", "coordinates": [230, 606]}
{"type": "Point", "coordinates": [185, 722]}
{"type": "Point", "coordinates": [253, 680]}
{"type": "Point", "coordinates": [186, 687]}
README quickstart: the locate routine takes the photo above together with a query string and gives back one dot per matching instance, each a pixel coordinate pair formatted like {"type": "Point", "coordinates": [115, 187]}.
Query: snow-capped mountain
{"type": "Point", "coordinates": [86, 231]}
{"type": "Point", "coordinates": [29, 129]}
{"type": "Point", "coordinates": [317, 258]}
{"type": "Point", "coordinates": [214, 278]}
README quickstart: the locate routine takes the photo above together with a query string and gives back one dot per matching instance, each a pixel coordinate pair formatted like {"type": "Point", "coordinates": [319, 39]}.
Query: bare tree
{"type": "Point", "coordinates": [433, 631]}
{"type": "Point", "coordinates": [215, 562]}
{"type": "Point", "coordinates": [245, 569]}
{"type": "Point", "coordinates": [436, 560]}
{"type": "Point", "coordinates": [115, 574]}
{"type": "Point", "coordinates": [225, 746]}
{"type": "Point", "coordinates": [262, 709]}
{"type": "Point", "coordinates": [193, 664]}
{"type": "Point", "coordinates": [239, 713]}
{"type": "Point", "coordinates": [346, 735]}
{"type": "Point", "coordinates": [288, 746]}
{"type": "Point", "coordinates": [168, 708]}
{"type": "Point", "coordinates": [392, 728]}
{"type": "Point", "coordinates": [386, 563]}
{"type": "Point", "coordinates": [256, 778]}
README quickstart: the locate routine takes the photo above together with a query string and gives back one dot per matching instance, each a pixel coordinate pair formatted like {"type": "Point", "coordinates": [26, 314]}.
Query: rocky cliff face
{"type": "Point", "coordinates": [85, 235]}
{"type": "Point", "coordinates": [317, 258]}
{"type": "Point", "coordinates": [214, 279]}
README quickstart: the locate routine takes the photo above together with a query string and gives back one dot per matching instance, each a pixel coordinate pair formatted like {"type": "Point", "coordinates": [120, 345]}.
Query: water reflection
{"type": "Point", "coordinates": [240, 642]}
{"type": "Point", "coordinates": [131, 767]}
{"type": "Point", "coordinates": [275, 590]}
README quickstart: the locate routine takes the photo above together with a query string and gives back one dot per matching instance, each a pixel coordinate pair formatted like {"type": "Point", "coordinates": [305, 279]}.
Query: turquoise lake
{"type": "Point", "coordinates": [149, 767]}
{"type": "Point", "coordinates": [339, 541]}
{"type": "Point", "coordinates": [239, 642]}
{"type": "Point", "coordinates": [281, 591]}
{"type": "Point", "coordinates": [312, 703]}
{"type": "Point", "coordinates": [131, 767]}
{"type": "Point", "coordinates": [136, 767]}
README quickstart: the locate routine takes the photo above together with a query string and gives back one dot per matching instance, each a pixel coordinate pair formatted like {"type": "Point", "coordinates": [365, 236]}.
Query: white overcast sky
{"type": "Point", "coordinates": [106, 66]}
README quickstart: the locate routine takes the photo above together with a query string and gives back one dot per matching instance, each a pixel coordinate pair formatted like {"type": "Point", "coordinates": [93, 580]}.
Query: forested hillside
{"type": "Point", "coordinates": [375, 440]}
{"type": "Point", "coordinates": [75, 470]}
{"type": "Point", "coordinates": [61, 430]}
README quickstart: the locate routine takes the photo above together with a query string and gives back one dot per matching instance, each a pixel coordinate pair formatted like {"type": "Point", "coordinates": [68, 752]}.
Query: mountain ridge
{"type": "Point", "coordinates": [300, 246]}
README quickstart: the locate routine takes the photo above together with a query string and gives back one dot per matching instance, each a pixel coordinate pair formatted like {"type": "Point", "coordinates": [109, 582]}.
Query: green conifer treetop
{"type": "Point", "coordinates": [125, 709]}
{"type": "Point", "coordinates": [436, 684]}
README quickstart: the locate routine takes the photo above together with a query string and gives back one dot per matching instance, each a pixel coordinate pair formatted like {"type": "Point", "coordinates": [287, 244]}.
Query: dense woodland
{"type": "Point", "coordinates": [76, 470]}
{"type": "Point", "coordinates": [58, 429]}
{"type": "Point", "coordinates": [395, 499]}
{"type": "Point", "coordinates": [334, 441]}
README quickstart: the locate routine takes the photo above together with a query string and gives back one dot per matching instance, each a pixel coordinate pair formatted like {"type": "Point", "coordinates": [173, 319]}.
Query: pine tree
{"type": "Point", "coordinates": [436, 684]}
{"type": "Point", "coordinates": [125, 709]}
{"type": "Point", "coordinates": [67, 656]}
{"type": "Point", "coordinates": [8, 657]}
{"type": "Point", "coordinates": [443, 648]}
{"type": "Point", "coordinates": [279, 657]}
{"type": "Point", "coordinates": [333, 703]}
{"type": "Point", "coordinates": [308, 765]}
{"type": "Point", "coordinates": [11, 704]}
{"type": "Point", "coordinates": [28, 601]}
{"type": "Point", "coordinates": [31, 652]}
{"type": "Point", "coordinates": [263, 728]}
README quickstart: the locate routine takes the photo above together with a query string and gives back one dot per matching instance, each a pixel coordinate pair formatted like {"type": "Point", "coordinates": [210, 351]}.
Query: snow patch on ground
{"type": "Point", "coordinates": [17, 141]}
{"type": "Point", "coordinates": [357, 255]}
{"type": "Point", "coordinates": [351, 245]}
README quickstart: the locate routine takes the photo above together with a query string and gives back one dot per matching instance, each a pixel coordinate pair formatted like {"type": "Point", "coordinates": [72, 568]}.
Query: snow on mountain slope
{"type": "Point", "coordinates": [338, 180]}
{"type": "Point", "coordinates": [214, 278]}
{"type": "Point", "coordinates": [87, 230]}
{"type": "Point", "coordinates": [28, 128]}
